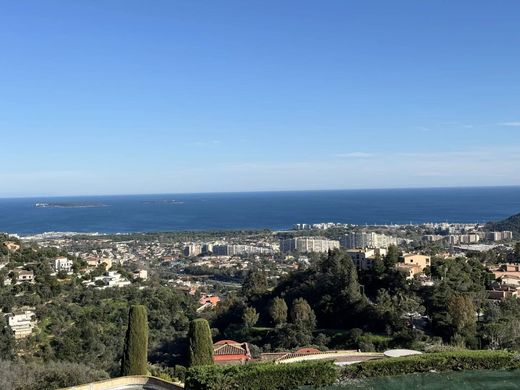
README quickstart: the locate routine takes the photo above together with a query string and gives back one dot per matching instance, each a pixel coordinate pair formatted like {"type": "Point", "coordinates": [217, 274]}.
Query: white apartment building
{"type": "Point", "coordinates": [233, 250]}
{"type": "Point", "coordinates": [360, 240]}
{"type": "Point", "coordinates": [308, 244]}
{"type": "Point", "coordinates": [455, 239]}
{"type": "Point", "coordinates": [192, 250]}
{"type": "Point", "coordinates": [62, 264]}
{"type": "Point", "coordinates": [499, 236]}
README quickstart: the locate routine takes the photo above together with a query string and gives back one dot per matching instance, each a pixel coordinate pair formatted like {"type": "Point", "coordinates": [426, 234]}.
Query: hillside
{"type": "Point", "coordinates": [511, 224]}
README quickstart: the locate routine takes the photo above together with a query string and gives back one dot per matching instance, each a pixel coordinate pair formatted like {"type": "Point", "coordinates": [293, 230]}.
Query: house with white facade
{"type": "Point", "coordinates": [22, 323]}
{"type": "Point", "coordinates": [111, 279]}
{"type": "Point", "coordinates": [63, 264]}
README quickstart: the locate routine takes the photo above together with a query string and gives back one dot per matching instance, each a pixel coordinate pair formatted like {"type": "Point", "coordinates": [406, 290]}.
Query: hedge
{"type": "Point", "coordinates": [443, 361]}
{"type": "Point", "coordinates": [261, 376]}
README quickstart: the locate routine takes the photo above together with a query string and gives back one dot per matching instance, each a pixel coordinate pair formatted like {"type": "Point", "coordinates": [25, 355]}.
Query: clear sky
{"type": "Point", "coordinates": [153, 96]}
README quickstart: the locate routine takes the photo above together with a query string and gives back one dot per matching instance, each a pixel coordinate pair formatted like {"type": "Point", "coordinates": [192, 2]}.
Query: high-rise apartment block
{"type": "Point", "coordinates": [360, 240]}
{"type": "Point", "coordinates": [308, 244]}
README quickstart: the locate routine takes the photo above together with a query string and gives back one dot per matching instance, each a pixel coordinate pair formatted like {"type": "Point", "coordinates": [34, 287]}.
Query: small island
{"type": "Point", "coordinates": [162, 201]}
{"type": "Point", "coordinates": [69, 205]}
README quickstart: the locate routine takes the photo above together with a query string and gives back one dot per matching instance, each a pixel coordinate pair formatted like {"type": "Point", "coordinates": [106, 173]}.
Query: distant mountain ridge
{"type": "Point", "coordinates": [509, 224]}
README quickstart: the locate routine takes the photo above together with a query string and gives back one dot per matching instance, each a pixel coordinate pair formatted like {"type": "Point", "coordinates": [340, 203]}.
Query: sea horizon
{"type": "Point", "coordinates": [274, 210]}
{"type": "Point", "coordinates": [45, 196]}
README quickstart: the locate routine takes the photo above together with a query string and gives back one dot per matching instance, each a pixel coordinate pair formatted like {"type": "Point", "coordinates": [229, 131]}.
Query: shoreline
{"type": "Point", "coordinates": [61, 234]}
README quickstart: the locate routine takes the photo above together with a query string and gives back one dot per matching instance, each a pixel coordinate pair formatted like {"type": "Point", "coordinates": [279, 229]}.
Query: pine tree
{"type": "Point", "coordinates": [461, 311]}
{"type": "Point", "coordinates": [517, 252]}
{"type": "Point", "coordinates": [200, 343]}
{"type": "Point", "coordinates": [278, 311]}
{"type": "Point", "coordinates": [392, 257]}
{"type": "Point", "coordinates": [7, 341]}
{"type": "Point", "coordinates": [255, 283]}
{"type": "Point", "coordinates": [250, 317]}
{"type": "Point", "coordinates": [135, 356]}
{"type": "Point", "coordinates": [302, 315]}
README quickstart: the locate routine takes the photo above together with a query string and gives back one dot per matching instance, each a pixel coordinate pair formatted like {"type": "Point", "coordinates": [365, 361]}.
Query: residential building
{"type": "Point", "coordinates": [506, 285]}
{"type": "Point", "coordinates": [420, 261]}
{"type": "Point", "coordinates": [140, 274]}
{"type": "Point", "coordinates": [308, 244]}
{"type": "Point", "coordinates": [413, 264]}
{"type": "Point", "coordinates": [208, 302]}
{"type": "Point", "coordinates": [11, 246]}
{"type": "Point", "coordinates": [191, 250]}
{"type": "Point", "coordinates": [360, 240]}
{"type": "Point", "coordinates": [432, 237]}
{"type": "Point", "coordinates": [106, 261]}
{"type": "Point", "coordinates": [409, 269]}
{"type": "Point", "coordinates": [365, 258]}
{"type": "Point", "coordinates": [24, 276]}
{"type": "Point", "coordinates": [63, 264]}
{"type": "Point", "coordinates": [207, 249]}
{"type": "Point", "coordinates": [230, 352]}
{"type": "Point", "coordinates": [507, 271]}
{"type": "Point", "coordinates": [503, 293]}
{"type": "Point", "coordinates": [94, 261]}
{"type": "Point", "coordinates": [111, 279]}
{"type": "Point", "coordinates": [235, 250]}
{"type": "Point", "coordinates": [455, 239]}
{"type": "Point", "coordinates": [21, 323]}
{"type": "Point", "coordinates": [499, 236]}
{"type": "Point", "coordinates": [212, 299]}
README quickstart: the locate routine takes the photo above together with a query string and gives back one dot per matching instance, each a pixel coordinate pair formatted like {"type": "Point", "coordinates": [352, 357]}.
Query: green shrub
{"type": "Point", "coordinates": [443, 361]}
{"type": "Point", "coordinates": [19, 375]}
{"type": "Point", "coordinates": [261, 376]}
{"type": "Point", "coordinates": [180, 372]}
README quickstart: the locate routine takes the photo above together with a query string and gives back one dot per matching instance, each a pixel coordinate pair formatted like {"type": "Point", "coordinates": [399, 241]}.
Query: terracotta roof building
{"type": "Point", "coordinates": [231, 352]}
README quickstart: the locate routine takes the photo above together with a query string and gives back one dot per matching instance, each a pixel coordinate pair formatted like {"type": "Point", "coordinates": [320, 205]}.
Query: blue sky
{"type": "Point", "coordinates": [114, 97]}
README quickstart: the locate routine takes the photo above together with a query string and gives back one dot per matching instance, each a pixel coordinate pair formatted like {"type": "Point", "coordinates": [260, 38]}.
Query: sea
{"type": "Point", "coordinates": [254, 210]}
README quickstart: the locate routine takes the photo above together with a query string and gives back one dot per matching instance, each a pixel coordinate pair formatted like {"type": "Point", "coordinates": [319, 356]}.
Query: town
{"type": "Point", "coordinates": [214, 267]}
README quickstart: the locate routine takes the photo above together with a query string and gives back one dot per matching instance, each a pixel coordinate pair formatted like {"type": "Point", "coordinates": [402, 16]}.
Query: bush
{"type": "Point", "coordinates": [180, 372]}
{"type": "Point", "coordinates": [261, 376]}
{"type": "Point", "coordinates": [444, 361]}
{"type": "Point", "coordinates": [52, 375]}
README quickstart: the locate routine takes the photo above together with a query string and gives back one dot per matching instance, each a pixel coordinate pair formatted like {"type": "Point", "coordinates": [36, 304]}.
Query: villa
{"type": "Point", "coordinates": [231, 352]}
{"type": "Point", "coordinates": [21, 323]}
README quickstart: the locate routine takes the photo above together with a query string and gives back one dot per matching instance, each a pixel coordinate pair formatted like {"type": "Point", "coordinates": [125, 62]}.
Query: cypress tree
{"type": "Point", "coordinates": [200, 343]}
{"type": "Point", "coordinates": [135, 355]}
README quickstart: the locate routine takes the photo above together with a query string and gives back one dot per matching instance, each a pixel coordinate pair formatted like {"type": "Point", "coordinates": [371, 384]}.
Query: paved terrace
{"type": "Point", "coordinates": [339, 357]}
{"type": "Point", "coordinates": [130, 383]}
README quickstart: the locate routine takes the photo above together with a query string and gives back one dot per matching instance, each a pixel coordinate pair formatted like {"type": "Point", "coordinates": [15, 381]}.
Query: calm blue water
{"type": "Point", "coordinates": [275, 210]}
